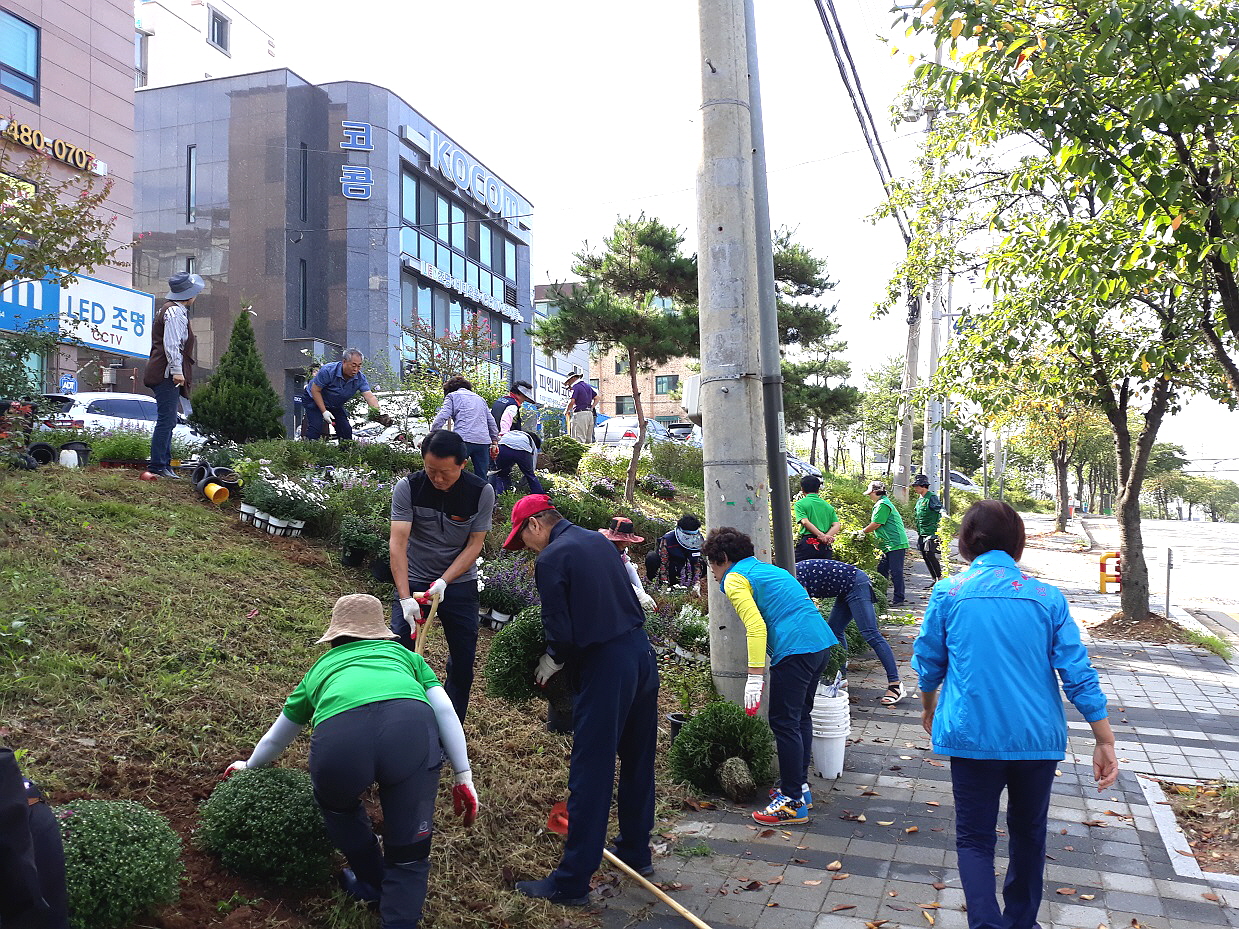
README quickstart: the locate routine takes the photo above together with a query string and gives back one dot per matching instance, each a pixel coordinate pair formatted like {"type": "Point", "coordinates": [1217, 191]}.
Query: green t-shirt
{"type": "Point", "coordinates": [890, 531]}
{"type": "Point", "coordinates": [817, 511]}
{"type": "Point", "coordinates": [358, 673]}
{"type": "Point", "coordinates": [928, 513]}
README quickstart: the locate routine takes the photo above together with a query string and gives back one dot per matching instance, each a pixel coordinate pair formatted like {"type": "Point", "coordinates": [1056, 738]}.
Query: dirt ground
{"type": "Point", "coordinates": [1155, 629]}
{"type": "Point", "coordinates": [1209, 818]}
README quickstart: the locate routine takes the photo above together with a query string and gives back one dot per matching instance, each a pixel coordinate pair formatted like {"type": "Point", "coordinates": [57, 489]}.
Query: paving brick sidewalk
{"type": "Point", "coordinates": [1174, 713]}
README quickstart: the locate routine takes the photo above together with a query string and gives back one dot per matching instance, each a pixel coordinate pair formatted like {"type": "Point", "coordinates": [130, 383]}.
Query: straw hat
{"type": "Point", "coordinates": [360, 616]}
{"type": "Point", "coordinates": [621, 530]}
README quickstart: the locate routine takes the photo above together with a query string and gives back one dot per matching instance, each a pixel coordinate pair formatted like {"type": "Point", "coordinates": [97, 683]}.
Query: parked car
{"type": "Point", "coordinates": [111, 410]}
{"type": "Point", "coordinates": [801, 467]}
{"type": "Point", "coordinates": [960, 482]}
{"type": "Point", "coordinates": [681, 431]}
{"type": "Point", "coordinates": [617, 430]}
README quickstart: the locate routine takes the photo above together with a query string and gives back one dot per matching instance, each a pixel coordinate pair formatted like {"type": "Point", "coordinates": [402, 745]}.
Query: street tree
{"type": "Point", "coordinates": [879, 413]}
{"type": "Point", "coordinates": [637, 294]}
{"type": "Point", "coordinates": [238, 401]}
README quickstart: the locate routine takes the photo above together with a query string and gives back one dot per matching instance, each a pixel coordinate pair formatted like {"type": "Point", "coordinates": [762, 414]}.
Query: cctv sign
{"type": "Point", "coordinates": [102, 315]}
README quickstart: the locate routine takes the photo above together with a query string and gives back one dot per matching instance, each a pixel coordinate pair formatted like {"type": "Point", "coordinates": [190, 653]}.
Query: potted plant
{"type": "Point", "coordinates": [507, 588]}
{"type": "Point", "coordinates": [122, 449]}
{"type": "Point", "coordinates": [693, 641]}
{"type": "Point", "coordinates": [510, 664]}
{"type": "Point", "coordinates": [259, 494]}
{"type": "Point", "coordinates": [358, 539]}
{"type": "Point", "coordinates": [291, 504]}
{"type": "Point", "coordinates": [693, 686]}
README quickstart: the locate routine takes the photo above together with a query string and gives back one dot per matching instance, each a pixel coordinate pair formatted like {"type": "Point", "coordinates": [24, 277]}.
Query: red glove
{"type": "Point", "coordinates": [465, 798]}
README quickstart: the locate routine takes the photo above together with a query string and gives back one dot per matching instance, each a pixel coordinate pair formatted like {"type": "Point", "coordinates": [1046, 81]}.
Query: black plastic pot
{"type": "Point", "coordinates": [41, 452]}
{"type": "Point", "coordinates": [558, 719]}
{"type": "Point", "coordinates": [676, 721]}
{"type": "Point", "coordinates": [380, 570]}
{"type": "Point", "coordinates": [353, 557]}
{"type": "Point", "coordinates": [82, 449]}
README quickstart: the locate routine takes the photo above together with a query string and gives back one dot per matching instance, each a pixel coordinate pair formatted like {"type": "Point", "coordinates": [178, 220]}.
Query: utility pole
{"type": "Point", "coordinates": [903, 440]}
{"type": "Point", "coordinates": [733, 433]}
{"type": "Point", "coordinates": [771, 369]}
{"type": "Point", "coordinates": [933, 407]}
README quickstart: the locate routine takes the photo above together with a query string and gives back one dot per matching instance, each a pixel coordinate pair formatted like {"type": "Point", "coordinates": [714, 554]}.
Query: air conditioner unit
{"type": "Point", "coordinates": [690, 398]}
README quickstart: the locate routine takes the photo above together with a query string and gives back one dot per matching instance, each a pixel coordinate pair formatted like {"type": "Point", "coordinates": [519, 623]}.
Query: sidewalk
{"type": "Point", "coordinates": [889, 819]}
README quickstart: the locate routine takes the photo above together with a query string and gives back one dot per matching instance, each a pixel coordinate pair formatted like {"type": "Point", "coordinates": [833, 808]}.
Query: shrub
{"type": "Point", "coordinates": [564, 453]}
{"type": "Point", "coordinates": [121, 860]}
{"type": "Point", "coordinates": [679, 462]}
{"type": "Point", "coordinates": [584, 510]}
{"type": "Point", "coordinates": [264, 824]}
{"type": "Point", "coordinates": [359, 534]}
{"type": "Point", "coordinates": [657, 486]}
{"type": "Point", "coordinates": [603, 487]}
{"type": "Point", "coordinates": [238, 402]}
{"type": "Point", "coordinates": [691, 682]}
{"type": "Point", "coordinates": [398, 459]}
{"type": "Point", "coordinates": [514, 653]}
{"type": "Point", "coordinates": [120, 445]}
{"type": "Point", "coordinates": [613, 461]}
{"type": "Point", "coordinates": [721, 731]}
{"type": "Point", "coordinates": [694, 631]}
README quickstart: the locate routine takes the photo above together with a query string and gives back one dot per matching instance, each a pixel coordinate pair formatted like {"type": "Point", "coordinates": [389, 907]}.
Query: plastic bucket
{"type": "Point", "coordinates": [828, 754]}
{"type": "Point", "coordinates": [213, 492]}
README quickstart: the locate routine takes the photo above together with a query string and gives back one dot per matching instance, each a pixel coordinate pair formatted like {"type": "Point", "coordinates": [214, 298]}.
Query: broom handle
{"type": "Point", "coordinates": [423, 628]}
{"type": "Point", "coordinates": [656, 891]}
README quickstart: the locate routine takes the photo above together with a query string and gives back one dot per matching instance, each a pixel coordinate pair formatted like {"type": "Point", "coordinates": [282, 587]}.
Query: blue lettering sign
{"type": "Point", "coordinates": [356, 182]}
{"type": "Point", "coordinates": [119, 317]}
{"type": "Point", "coordinates": [139, 322]}
{"type": "Point", "coordinates": [357, 136]}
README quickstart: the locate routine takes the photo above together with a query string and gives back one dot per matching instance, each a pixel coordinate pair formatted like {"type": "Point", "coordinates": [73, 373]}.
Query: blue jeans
{"type": "Point", "coordinates": [167, 405]}
{"type": "Point", "coordinates": [479, 454]}
{"type": "Point", "coordinates": [977, 785]}
{"type": "Point", "coordinates": [890, 566]}
{"type": "Point", "coordinates": [458, 615]}
{"type": "Point", "coordinates": [314, 422]}
{"type": "Point", "coordinates": [857, 605]}
{"type": "Point", "coordinates": [793, 685]}
{"type": "Point", "coordinates": [502, 478]}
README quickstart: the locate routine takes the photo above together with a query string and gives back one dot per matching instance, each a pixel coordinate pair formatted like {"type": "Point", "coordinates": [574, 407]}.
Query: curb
{"type": "Point", "coordinates": [1183, 860]}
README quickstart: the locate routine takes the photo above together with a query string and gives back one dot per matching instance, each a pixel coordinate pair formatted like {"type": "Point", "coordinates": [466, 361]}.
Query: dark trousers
{"type": "Point", "coordinates": [977, 785]}
{"type": "Point", "coordinates": [458, 615]}
{"type": "Point", "coordinates": [857, 606]}
{"type": "Point", "coordinates": [502, 478]}
{"type": "Point", "coordinates": [479, 454]}
{"type": "Point", "coordinates": [615, 713]}
{"type": "Point", "coordinates": [813, 547]}
{"type": "Point", "coordinates": [793, 684]}
{"type": "Point", "coordinates": [929, 546]}
{"type": "Point", "coordinates": [314, 422]}
{"type": "Point", "coordinates": [394, 743]}
{"type": "Point", "coordinates": [167, 405]}
{"type": "Point", "coordinates": [890, 566]}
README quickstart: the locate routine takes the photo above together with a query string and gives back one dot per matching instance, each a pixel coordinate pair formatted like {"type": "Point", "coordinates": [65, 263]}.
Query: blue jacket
{"type": "Point", "coordinates": [794, 625]}
{"type": "Point", "coordinates": [993, 639]}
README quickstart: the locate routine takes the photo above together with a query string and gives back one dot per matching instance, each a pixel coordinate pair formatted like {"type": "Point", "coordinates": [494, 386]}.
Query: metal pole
{"type": "Point", "coordinates": [1169, 565]}
{"type": "Point", "coordinates": [768, 311]}
{"type": "Point", "coordinates": [733, 432]}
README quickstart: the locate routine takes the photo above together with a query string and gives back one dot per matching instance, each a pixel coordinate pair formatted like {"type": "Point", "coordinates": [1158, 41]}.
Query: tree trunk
{"type": "Point", "coordinates": [825, 449]}
{"type": "Point", "coordinates": [630, 487]}
{"type": "Point", "coordinates": [813, 444]}
{"type": "Point", "coordinates": [1134, 596]}
{"type": "Point", "coordinates": [1059, 455]}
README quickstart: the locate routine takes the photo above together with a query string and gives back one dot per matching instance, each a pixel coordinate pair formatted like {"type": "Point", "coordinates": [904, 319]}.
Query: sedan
{"type": "Point", "coordinates": [110, 410]}
{"type": "Point", "coordinates": [620, 429]}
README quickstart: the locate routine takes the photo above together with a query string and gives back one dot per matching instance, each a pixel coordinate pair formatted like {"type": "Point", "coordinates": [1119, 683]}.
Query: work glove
{"type": "Point", "coordinates": [233, 769]}
{"type": "Point", "coordinates": [548, 667]}
{"type": "Point", "coordinates": [646, 601]}
{"type": "Point", "coordinates": [329, 417]}
{"type": "Point", "coordinates": [465, 798]}
{"type": "Point", "coordinates": [752, 694]}
{"type": "Point", "coordinates": [494, 452]}
{"type": "Point", "coordinates": [859, 535]}
{"type": "Point", "coordinates": [434, 592]}
{"type": "Point", "coordinates": [411, 609]}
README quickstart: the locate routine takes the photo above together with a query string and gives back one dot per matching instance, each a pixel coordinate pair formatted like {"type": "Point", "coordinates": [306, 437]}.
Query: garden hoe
{"type": "Point", "coordinates": [557, 822]}
{"type": "Point", "coordinates": [424, 628]}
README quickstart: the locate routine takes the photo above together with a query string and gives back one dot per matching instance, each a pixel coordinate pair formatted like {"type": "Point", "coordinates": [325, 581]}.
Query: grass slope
{"type": "Point", "coordinates": [164, 639]}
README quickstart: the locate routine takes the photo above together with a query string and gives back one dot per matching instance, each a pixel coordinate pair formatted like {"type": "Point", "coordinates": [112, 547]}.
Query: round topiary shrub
{"type": "Point", "coordinates": [513, 657]}
{"type": "Point", "coordinates": [721, 731]}
{"type": "Point", "coordinates": [264, 824]}
{"type": "Point", "coordinates": [121, 860]}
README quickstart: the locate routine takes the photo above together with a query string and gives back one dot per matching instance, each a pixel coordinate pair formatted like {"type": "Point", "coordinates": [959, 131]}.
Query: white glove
{"type": "Point", "coordinates": [436, 590]}
{"type": "Point", "coordinates": [411, 610]}
{"type": "Point", "coordinates": [235, 767]}
{"type": "Point", "coordinates": [646, 601]}
{"type": "Point", "coordinates": [329, 416]}
{"type": "Point", "coordinates": [752, 693]}
{"type": "Point", "coordinates": [548, 667]}
{"type": "Point", "coordinates": [859, 535]}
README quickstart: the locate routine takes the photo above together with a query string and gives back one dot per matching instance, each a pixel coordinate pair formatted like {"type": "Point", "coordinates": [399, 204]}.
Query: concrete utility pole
{"type": "Point", "coordinates": [771, 367]}
{"type": "Point", "coordinates": [733, 431]}
{"type": "Point", "coordinates": [933, 408]}
{"type": "Point", "coordinates": [903, 440]}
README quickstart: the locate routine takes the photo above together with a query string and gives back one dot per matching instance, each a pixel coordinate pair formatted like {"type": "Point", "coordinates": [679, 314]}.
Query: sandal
{"type": "Point", "coordinates": [894, 693]}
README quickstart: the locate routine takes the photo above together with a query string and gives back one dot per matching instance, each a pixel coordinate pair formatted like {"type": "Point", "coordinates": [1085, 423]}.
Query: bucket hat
{"type": "Point", "coordinates": [184, 286]}
{"type": "Point", "coordinates": [621, 530]}
{"type": "Point", "coordinates": [360, 616]}
{"type": "Point", "coordinates": [920, 481]}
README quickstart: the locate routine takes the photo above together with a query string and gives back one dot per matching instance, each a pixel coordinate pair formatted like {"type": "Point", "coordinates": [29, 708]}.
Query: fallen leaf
{"type": "Point", "coordinates": [776, 880]}
{"type": "Point", "coordinates": [835, 865]}
{"type": "Point", "coordinates": [930, 906]}
{"type": "Point", "coordinates": [753, 885]}
{"type": "Point", "coordinates": [803, 861]}
{"type": "Point", "coordinates": [892, 893]}
{"type": "Point", "coordinates": [905, 757]}
{"type": "Point", "coordinates": [912, 829]}
{"type": "Point", "coordinates": [810, 883]}
{"type": "Point", "coordinates": [929, 917]}
{"type": "Point", "coordinates": [938, 885]}
{"type": "Point", "coordinates": [1094, 823]}
{"type": "Point", "coordinates": [771, 903]}
{"type": "Point", "coordinates": [1088, 896]}
{"type": "Point", "coordinates": [841, 877]}
{"type": "Point", "coordinates": [936, 764]}
{"type": "Point", "coordinates": [886, 822]}
{"type": "Point", "coordinates": [932, 802]}
{"type": "Point", "coordinates": [876, 923]}
{"type": "Point", "coordinates": [1065, 891]}
{"type": "Point", "coordinates": [1212, 897]}
{"type": "Point", "coordinates": [765, 834]}
{"type": "Point", "coordinates": [842, 906]}
{"type": "Point", "coordinates": [1069, 848]}
{"type": "Point", "coordinates": [871, 793]}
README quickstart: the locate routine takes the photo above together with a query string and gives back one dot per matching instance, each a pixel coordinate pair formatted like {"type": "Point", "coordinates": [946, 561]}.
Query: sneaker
{"type": "Point", "coordinates": [782, 812]}
{"type": "Point", "coordinates": [644, 870]}
{"type": "Point", "coordinates": [545, 889]}
{"type": "Point", "coordinates": [805, 792]}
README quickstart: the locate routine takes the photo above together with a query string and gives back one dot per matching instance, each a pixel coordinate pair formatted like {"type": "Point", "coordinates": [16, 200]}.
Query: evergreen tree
{"type": "Point", "coordinates": [238, 402]}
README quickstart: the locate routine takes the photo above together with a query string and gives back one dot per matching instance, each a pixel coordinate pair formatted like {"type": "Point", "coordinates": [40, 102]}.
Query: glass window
{"type": "Point", "coordinates": [458, 228]}
{"type": "Point", "coordinates": [471, 274]}
{"type": "Point", "coordinates": [624, 406]}
{"type": "Point", "coordinates": [191, 265]}
{"type": "Point", "coordinates": [408, 198]}
{"type": "Point", "coordinates": [621, 364]}
{"type": "Point", "coordinates": [496, 253]}
{"type": "Point", "coordinates": [217, 33]}
{"type": "Point", "coordinates": [19, 57]}
{"type": "Point", "coordinates": [443, 258]}
{"type": "Point", "coordinates": [141, 55]}
{"type": "Point", "coordinates": [305, 182]}
{"type": "Point", "coordinates": [471, 247]}
{"type": "Point", "coordinates": [666, 383]}
{"type": "Point", "coordinates": [496, 287]}
{"type": "Point", "coordinates": [505, 342]}
{"type": "Point", "coordinates": [443, 218]}
{"type": "Point", "coordinates": [440, 311]}
{"type": "Point", "coordinates": [191, 184]}
{"type": "Point", "coordinates": [509, 259]}
{"type": "Point", "coordinates": [593, 382]}
{"type": "Point", "coordinates": [458, 266]}
{"type": "Point", "coordinates": [455, 317]}
{"type": "Point", "coordinates": [425, 304]}
{"type": "Point", "coordinates": [428, 247]}
{"type": "Point", "coordinates": [408, 300]}
{"type": "Point", "coordinates": [484, 280]}
{"type": "Point", "coordinates": [303, 295]}
{"type": "Point", "coordinates": [484, 245]}
{"type": "Point", "coordinates": [408, 241]}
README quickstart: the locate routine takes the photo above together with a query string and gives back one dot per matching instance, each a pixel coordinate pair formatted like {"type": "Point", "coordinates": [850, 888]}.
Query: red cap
{"type": "Point", "coordinates": [526, 506]}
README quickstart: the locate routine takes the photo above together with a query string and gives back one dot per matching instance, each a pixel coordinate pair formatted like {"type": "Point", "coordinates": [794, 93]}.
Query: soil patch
{"type": "Point", "coordinates": [1057, 541]}
{"type": "Point", "coordinates": [1209, 818]}
{"type": "Point", "coordinates": [1154, 629]}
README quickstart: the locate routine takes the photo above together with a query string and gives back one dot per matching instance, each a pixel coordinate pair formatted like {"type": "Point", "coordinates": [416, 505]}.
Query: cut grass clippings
{"type": "Point", "coordinates": [164, 638]}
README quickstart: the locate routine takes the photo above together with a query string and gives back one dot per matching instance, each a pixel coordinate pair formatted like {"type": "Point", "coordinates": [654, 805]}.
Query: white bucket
{"type": "Point", "coordinates": [822, 732]}
{"type": "Point", "coordinates": [828, 755]}
{"type": "Point", "coordinates": [69, 458]}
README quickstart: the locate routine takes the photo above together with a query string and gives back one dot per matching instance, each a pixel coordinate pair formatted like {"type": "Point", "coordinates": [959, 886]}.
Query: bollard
{"type": "Point", "coordinates": [1108, 578]}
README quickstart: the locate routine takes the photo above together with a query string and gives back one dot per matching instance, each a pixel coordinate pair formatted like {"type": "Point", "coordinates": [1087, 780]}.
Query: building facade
{"type": "Point", "coordinates": [66, 88]}
{"type": "Point", "coordinates": [337, 214]}
{"type": "Point", "coordinates": [550, 368]}
{"type": "Point", "coordinates": [660, 388]}
{"type": "Point", "coordinates": [177, 41]}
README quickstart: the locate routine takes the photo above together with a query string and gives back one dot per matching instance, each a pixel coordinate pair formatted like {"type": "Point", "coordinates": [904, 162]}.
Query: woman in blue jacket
{"type": "Point", "coordinates": [997, 641]}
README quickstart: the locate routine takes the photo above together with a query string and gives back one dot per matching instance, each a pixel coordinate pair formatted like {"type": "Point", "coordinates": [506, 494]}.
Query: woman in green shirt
{"type": "Point", "coordinates": [892, 537]}
{"type": "Point", "coordinates": [380, 716]}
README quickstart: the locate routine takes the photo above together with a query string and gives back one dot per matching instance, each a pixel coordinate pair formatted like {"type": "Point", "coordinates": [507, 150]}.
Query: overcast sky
{"type": "Point", "coordinates": [590, 111]}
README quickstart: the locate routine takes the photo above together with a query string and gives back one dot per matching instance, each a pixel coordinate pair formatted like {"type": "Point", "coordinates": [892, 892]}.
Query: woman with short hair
{"type": "Point", "coordinates": [471, 420]}
{"type": "Point", "coordinates": [996, 642]}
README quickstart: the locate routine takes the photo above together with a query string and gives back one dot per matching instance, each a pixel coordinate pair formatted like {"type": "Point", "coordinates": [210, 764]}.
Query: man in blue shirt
{"type": "Point", "coordinates": [333, 386]}
{"type": "Point", "coordinates": [595, 628]}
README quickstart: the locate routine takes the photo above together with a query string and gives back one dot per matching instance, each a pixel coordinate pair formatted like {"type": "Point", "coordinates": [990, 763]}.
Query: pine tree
{"type": "Point", "coordinates": [238, 402]}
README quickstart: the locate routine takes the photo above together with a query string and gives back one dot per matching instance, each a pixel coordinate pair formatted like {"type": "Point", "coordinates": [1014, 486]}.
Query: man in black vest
{"type": "Point", "coordinates": [439, 519]}
{"type": "Point", "coordinates": [507, 410]}
{"type": "Point", "coordinates": [170, 370]}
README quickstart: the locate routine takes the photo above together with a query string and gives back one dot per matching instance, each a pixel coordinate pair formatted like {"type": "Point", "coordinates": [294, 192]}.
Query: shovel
{"type": "Point", "coordinates": [423, 628]}
{"type": "Point", "coordinates": [557, 822]}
